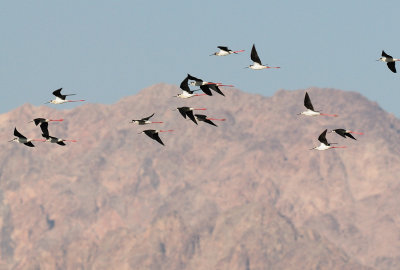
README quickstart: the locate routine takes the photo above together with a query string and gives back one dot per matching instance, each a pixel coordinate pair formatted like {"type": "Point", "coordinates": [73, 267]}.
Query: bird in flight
{"type": "Point", "coordinates": [60, 98]}
{"type": "Point", "coordinates": [324, 143]}
{"type": "Point", "coordinates": [391, 62]}
{"type": "Point", "coordinates": [310, 108]}
{"type": "Point", "coordinates": [257, 65]}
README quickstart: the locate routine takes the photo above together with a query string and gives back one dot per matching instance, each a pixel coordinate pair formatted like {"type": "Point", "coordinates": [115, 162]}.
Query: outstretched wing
{"type": "Point", "coordinates": [44, 127]}
{"type": "Point", "coordinates": [223, 48]}
{"type": "Point", "coordinates": [147, 118]}
{"type": "Point", "coordinates": [191, 116]}
{"type": "Point", "coordinates": [210, 122]}
{"type": "Point", "coordinates": [322, 137]}
{"type": "Point", "coordinates": [254, 55]}
{"type": "Point", "coordinates": [185, 86]}
{"type": "Point", "coordinates": [392, 66]}
{"type": "Point", "coordinates": [194, 78]}
{"type": "Point", "coordinates": [350, 136]}
{"type": "Point", "coordinates": [182, 111]}
{"type": "Point", "coordinates": [341, 132]}
{"type": "Point", "coordinates": [37, 121]}
{"type": "Point", "coordinates": [216, 89]}
{"type": "Point", "coordinates": [386, 55]}
{"type": "Point", "coordinates": [57, 93]}
{"type": "Point", "coordinates": [154, 135]}
{"type": "Point", "coordinates": [17, 134]}
{"type": "Point", "coordinates": [30, 144]}
{"type": "Point", "coordinates": [307, 102]}
{"type": "Point", "coordinates": [206, 89]}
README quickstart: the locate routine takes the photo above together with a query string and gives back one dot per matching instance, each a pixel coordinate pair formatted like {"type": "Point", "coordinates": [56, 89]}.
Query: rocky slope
{"type": "Point", "coordinates": [246, 195]}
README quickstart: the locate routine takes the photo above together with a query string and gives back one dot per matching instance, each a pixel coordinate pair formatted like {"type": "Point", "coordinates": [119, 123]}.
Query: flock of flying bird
{"type": "Point", "coordinates": [188, 112]}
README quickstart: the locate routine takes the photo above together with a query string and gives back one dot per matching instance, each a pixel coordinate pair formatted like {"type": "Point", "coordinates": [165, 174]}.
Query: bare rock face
{"type": "Point", "coordinates": [248, 194]}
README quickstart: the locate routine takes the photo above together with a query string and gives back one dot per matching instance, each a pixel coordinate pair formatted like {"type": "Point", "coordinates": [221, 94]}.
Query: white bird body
{"type": "Point", "coordinates": [323, 147]}
{"type": "Point", "coordinates": [223, 53]}
{"type": "Point", "coordinates": [138, 122]}
{"type": "Point", "coordinates": [59, 101]}
{"type": "Point", "coordinates": [309, 112]}
{"type": "Point", "coordinates": [185, 94]}
{"type": "Point", "coordinates": [257, 66]}
{"type": "Point", "coordinates": [388, 59]}
{"type": "Point", "coordinates": [199, 83]}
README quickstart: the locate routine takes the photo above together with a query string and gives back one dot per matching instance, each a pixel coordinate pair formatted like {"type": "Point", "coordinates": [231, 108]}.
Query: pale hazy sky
{"type": "Point", "coordinates": [105, 50]}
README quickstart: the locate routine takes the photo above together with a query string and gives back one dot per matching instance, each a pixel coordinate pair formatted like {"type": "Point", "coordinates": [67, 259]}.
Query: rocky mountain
{"type": "Point", "coordinates": [248, 194]}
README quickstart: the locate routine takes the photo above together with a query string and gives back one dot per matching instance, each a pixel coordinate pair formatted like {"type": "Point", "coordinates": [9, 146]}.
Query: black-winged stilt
{"type": "Point", "coordinates": [257, 65]}
{"type": "Point", "coordinates": [204, 118]}
{"type": "Point", "coordinates": [60, 98]}
{"type": "Point", "coordinates": [310, 109]}
{"type": "Point", "coordinates": [324, 143]}
{"type": "Point", "coordinates": [186, 92]}
{"type": "Point", "coordinates": [145, 120]}
{"type": "Point", "coordinates": [223, 51]}
{"type": "Point", "coordinates": [389, 60]}
{"type": "Point", "coordinates": [188, 111]}
{"type": "Point", "coordinates": [152, 133]}
{"type": "Point", "coordinates": [344, 132]}
{"type": "Point", "coordinates": [22, 139]}
{"type": "Point", "coordinates": [58, 141]}
{"type": "Point", "coordinates": [44, 123]}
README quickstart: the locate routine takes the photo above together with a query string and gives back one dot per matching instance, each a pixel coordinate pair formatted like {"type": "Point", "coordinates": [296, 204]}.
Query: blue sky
{"type": "Point", "coordinates": [105, 50]}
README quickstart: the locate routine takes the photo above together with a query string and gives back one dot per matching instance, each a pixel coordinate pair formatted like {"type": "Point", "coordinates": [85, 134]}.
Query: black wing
{"type": "Point", "coordinates": [206, 89]}
{"type": "Point", "coordinates": [191, 116]}
{"type": "Point", "coordinates": [201, 117]}
{"type": "Point", "coordinates": [216, 89]}
{"type": "Point", "coordinates": [254, 56]}
{"type": "Point", "coordinates": [210, 122]}
{"type": "Point", "coordinates": [185, 86]}
{"type": "Point", "coordinates": [194, 78]}
{"type": "Point", "coordinates": [341, 132]}
{"type": "Point", "coordinates": [147, 118]}
{"type": "Point", "coordinates": [223, 48]}
{"type": "Point", "coordinates": [350, 136]}
{"type": "Point", "coordinates": [154, 135]}
{"type": "Point", "coordinates": [392, 66]}
{"type": "Point", "coordinates": [30, 144]}
{"type": "Point", "coordinates": [183, 111]}
{"type": "Point", "coordinates": [44, 127]}
{"type": "Point", "coordinates": [386, 55]}
{"type": "Point", "coordinates": [322, 137]}
{"type": "Point", "coordinates": [57, 93]}
{"type": "Point", "coordinates": [307, 102]}
{"type": "Point", "coordinates": [17, 134]}
{"type": "Point", "coordinates": [157, 138]}
{"type": "Point", "coordinates": [37, 121]}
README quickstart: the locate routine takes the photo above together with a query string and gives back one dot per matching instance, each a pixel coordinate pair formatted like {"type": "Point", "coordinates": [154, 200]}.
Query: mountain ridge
{"type": "Point", "coordinates": [247, 194]}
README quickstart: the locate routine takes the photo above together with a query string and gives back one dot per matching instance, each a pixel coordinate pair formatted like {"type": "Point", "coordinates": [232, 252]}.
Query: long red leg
{"type": "Point", "coordinates": [216, 119]}
{"type": "Point", "coordinates": [333, 115]}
